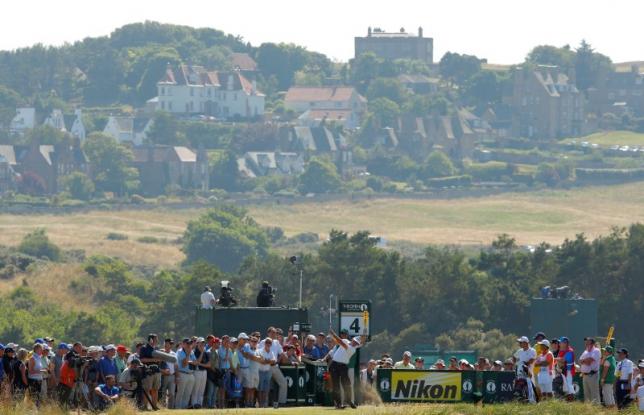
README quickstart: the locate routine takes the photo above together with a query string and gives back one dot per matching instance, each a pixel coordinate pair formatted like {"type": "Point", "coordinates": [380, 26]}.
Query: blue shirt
{"type": "Point", "coordinates": [243, 361]}
{"type": "Point", "coordinates": [107, 366]}
{"type": "Point", "coordinates": [181, 354]}
{"type": "Point", "coordinates": [224, 355]}
{"type": "Point", "coordinates": [313, 352]}
{"type": "Point", "coordinates": [322, 351]}
{"type": "Point", "coordinates": [113, 391]}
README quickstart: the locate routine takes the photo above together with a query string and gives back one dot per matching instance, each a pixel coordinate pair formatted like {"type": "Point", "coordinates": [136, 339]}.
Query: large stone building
{"type": "Point", "coordinates": [191, 90]}
{"type": "Point", "coordinates": [621, 92]}
{"type": "Point", "coordinates": [396, 45]}
{"type": "Point", "coordinates": [545, 104]}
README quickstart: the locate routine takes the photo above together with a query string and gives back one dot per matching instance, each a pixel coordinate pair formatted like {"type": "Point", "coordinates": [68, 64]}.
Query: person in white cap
{"type": "Point", "coordinates": [546, 362]}
{"type": "Point", "coordinates": [524, 359]}
{"type": "Point", "coordinates": [405, 363]}
{"type": "Point", "coordinates": [339, 368]}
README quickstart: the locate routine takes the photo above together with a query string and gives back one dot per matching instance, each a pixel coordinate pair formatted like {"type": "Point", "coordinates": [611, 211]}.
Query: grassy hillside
{"type": "Point", "coordinates": [610, 138]}
{"type": "Point", "coordinates": [530, 217]}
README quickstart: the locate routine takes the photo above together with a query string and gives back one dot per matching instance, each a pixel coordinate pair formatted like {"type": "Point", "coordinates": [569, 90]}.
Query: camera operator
{"type": "Point", "coordinates": [106, 393]}
{"type": "Point", "coordinates": [75, 352]}
{"type": "Point", "coordinates": [92, 370]}
{"type": "Point", "coordinates": [266, 295]}
{"type": "Point", "coordinates": [226, 295]}
{"type": "Point", "coordinates": [151, 383]}
{"type": "Point", "coordinates": [128, 378]}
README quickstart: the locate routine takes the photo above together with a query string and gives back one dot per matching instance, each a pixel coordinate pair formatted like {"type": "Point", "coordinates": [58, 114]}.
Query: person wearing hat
{"type": "Point", "coordinates": [126, 379]}
{"type": "Point", "coordinates": [405, 363]}
{"type": "Point", "coordinates": [185, 370]}
{"type": "Point", "coordinates": [309, 351]}
{"type": "Point", "coordinates": [121, 358]}
{"type": "Point", "coordinates": [639, 392]}
{"type": "Point", "coordinates": [624, 375]}
{"type": "Point", "coordinates": [276, 373]}
{"type": "Point", "coordinates": [607, 377]}
{"type": "Point", "coordinates": [497, 366]}
{"type": "Point", "coordinates": [546, 362]}
{"type": "Point", "coordinates": [566, 360]}
{"type": "Point", "coordinates": [339, 368]}
{"type": "Point", "coordinates": [453, 363]}
{"type": "Point", "coordinates": [590, 359]}
{"type": "Point", "coordinates": [168, 376]}
{"type": "Point", "coordinates": [208, 299]}
{"type": "Point", "coordinates": [419, 363]}
{"type": "Point", "coordinates": [525, 358]}
{"type": "Point", "coordinates": [247, 376]}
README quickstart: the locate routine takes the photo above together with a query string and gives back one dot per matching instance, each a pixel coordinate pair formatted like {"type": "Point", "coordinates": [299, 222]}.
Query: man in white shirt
{"type": "Point", "coordinates": [624, 375]}
{"type": "Point", "coordinates": [267, 359]}
{"type": "Point", "coordinates": [208, 299]}
{"type": "Point", "coordinates": [589, 360]}
{"type": "Point", "coordinates": [339, 368]}
{"type": "Point", "coordinates": [639, 394]}
{"type": "Point", "coordinates": [524, 359]}
{"type": "Point", "coordinates": [276, 373]}
{"type": "Point", "coordinates": [405, 363]}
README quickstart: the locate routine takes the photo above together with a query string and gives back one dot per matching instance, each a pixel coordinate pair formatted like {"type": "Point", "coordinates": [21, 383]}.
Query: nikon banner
{"type": "Point", "coordinates": [419, 386]}
{"type": "Point", "coordinates": [444, 386]}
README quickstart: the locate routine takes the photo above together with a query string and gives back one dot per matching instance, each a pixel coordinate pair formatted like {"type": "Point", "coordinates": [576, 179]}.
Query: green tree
{"type": "Point", "coordinates": [389, 88]}
{"type": "Point", "coordinates": [110, 164]}
{"type": "Point", "coordinates": [484, 88]}
{"type": "Point", "coordinates": [320, 176]}
{"type": "Point", "coordinates": [438, 164]}
{"type": "Point", "coordinates": [37, 244]}
{"type": "Point", "coordinates": [591, 67]}
{"type": "Point", "coordinates": [459, 68]}
{"type": "Point", "coordinates": [224, 237]}
{"type": "Point", "coordinates": [9, 101]}
{"type": "Point", "coordinates": [385, 111]}
{"type": "Point", "coordinates": [79, 186]}
{"type": "Point", "coordinates": [562, 57]}
{"type": "Point", "coordinates": [165, 130]}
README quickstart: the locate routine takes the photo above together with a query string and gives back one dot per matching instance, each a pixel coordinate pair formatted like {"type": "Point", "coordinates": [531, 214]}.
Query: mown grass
{"type": "Point", "coordinates": [610, 138]}
{"type": "Point", "coordinates": [550, 408]}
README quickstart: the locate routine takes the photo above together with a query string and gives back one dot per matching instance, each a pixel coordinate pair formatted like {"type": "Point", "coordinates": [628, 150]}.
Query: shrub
{"type": "Point", "coordinates": [79, 186]}
{"type": "Point", "coordinates": [115, 236]}
{"type": "Point", "coordinates": [137, 199]}
{"type": "Point", "coordinates": [37, 244]}
{"type": "Point", "coordinates": [148, 240]}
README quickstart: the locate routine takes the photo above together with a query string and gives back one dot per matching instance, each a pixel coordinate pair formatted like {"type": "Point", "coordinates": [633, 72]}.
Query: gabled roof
{"type": "Point", "coordinates": [123, 124]}
{"type": "Point", "coordinates": [188, 75]}
{"type": "Point", "coordinates": [243, 62]}
{"type": "Point", "coordinates": [9, 153]}
{"type": "Point", "coordinates": [163, 154]}
{"type": "Point", "coordinates": [46, 151]}
{"type": "Point", "coordinates": [329, 93]}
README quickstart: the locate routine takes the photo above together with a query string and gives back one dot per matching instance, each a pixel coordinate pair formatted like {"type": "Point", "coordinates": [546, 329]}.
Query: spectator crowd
{"type": "Point", "coordinates": [546, 370]}
{"type": "Point", "coordinates": [244, 371]}
{"type": "Point", "coordinates": [191, 373]}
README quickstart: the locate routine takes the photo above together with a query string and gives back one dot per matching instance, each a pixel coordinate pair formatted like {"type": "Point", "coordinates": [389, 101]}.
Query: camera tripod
{"type": "Point", "coordinates": [78, 397]}
{"type": "Point", "coordinates": [142, 397]}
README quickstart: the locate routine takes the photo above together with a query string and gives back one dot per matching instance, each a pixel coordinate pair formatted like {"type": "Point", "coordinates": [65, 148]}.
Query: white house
{"type": "Point", "coordinates": [56, 120]}
{"type": "Point", "coordinates": [25, 119]}
{"type": "Point", "coordinates": [341, 104]}
{"type": "Point", "coordinates": [194, 90]}
{"type": "Point", "coordinates": [128, 129]}
{"type": "Point", "coordinates": [77, 128]}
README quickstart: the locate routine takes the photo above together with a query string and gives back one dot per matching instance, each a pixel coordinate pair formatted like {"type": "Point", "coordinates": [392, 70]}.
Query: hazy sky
{"type": "Point", "coordinates": [502, 31]}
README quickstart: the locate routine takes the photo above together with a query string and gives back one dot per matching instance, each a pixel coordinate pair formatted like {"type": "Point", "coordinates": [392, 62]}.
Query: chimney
{"type": "Point", "coordinates": [420, 31]}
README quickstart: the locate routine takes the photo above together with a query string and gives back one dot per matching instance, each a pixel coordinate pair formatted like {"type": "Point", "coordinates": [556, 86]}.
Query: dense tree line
{"type": "Point", "coordinates": [442, 297]}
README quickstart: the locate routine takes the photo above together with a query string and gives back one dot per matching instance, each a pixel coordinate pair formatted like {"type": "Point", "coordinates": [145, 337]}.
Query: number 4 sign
{"type": "Point", "coordinates": [355, 317]}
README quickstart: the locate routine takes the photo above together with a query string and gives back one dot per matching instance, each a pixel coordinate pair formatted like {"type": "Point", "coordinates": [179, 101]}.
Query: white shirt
{"type": "Point", "coordinates": [171, 366]}
{"type": "Point", "coordinates": [595, 354]}
{"type": "Point", "coordinates": [640, 397]}
{"type": "Point", "coordinates": [265, 355]}
{"type": "Point", "coordinates": [523, 357]}
{"type": "Point", "coordinates": [342, 355]}
{"type": "Point", "coordinates": [623, 369]}
{"type": "Point", "coordinates": [276, 347]}
{"type": "Point", "coordinates": [207, 299]}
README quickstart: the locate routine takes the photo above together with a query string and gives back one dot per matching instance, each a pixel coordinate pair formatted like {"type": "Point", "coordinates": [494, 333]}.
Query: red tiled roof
{"type": "Point", "coordinates": [340, 93]}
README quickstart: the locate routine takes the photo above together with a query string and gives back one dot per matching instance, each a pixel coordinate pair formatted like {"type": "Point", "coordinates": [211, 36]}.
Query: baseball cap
{"type": "Point", "coordinates": [40, 340]}
{"type": "Point", "coordinates": [110, 347]}
{"type": "Point", "coordinates": [356, 340]}
{"type": "Point", "coordinates": [122, 349]}
{"type": "Point", "coordinates": [421, 359]}
{"type": "Point", "coordinates": [544, 342]}
{"type": "Point", "coordinates": [169, 340]}
{"type": "Point", "coordinates": [463, 362]}
{"type": "Point", "coordinates": [242, 336]}
{"type": "Point", "coordinates": [186, 340]}
{"type": "Point", "coordinates": [407, 354]}
{"type": "Point", "coordinates": [200, 340]}
{"type": "Point", "coordinates": [439, 361]}
{"type": "Point", "coordinates": [320, 334]}
{"type": "Point", "coordinates": [136, 361]}
{"type": "Point", "coordinates": [63, 346]}
{"type": "Point", "coordinates": [564, 339]}
{"type": "Point", "coordinates": [344, 331]}
{"type": "Point", "coordinates": [12, 345]}
{"type": "Point", "coordinates": [609, 349]}
{"type": "Point", "coordinates": [46, 346]}
{"type": "Point", "coordinates": [49, 339]}
{"type": "Point", "coordinates": [539, 334]}
{"type": "Point", "coordinates": [498, 363]}
{"type": "Point", "coordinates": [233, 340]}
{"type": "Point", "coordinates": [9, 350]}
{"type": "Point", "coordinates": [523, 339]}
{"type": "Point", "coordinates": [623, 350]}
{"type": "Point", "coordinates": [640, 365]}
